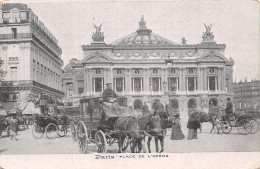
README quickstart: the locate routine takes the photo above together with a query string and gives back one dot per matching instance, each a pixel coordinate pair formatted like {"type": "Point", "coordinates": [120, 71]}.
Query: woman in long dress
{"type": "Point", "coordinates": [176, 128]}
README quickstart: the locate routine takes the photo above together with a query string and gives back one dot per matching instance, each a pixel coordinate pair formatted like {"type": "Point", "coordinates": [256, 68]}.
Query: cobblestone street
{"type": "Point", "coordinates": [206, 142]}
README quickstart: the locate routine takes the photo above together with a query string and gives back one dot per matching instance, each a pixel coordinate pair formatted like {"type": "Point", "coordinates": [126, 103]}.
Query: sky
{"type": "Point", "coordinates": [234, 23]}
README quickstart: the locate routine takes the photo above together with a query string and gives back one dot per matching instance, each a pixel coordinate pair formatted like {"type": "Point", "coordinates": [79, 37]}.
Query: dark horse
{"type": "Point", "coordinates": [163, 123]}
{"type": "Point", "coordinates": [134, 128]}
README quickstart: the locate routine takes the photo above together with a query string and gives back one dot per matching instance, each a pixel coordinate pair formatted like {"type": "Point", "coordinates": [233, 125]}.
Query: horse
{"type": "Point", "coordinates": [163, 124]}
{"type": "Point", "coordinates": [134, 128]}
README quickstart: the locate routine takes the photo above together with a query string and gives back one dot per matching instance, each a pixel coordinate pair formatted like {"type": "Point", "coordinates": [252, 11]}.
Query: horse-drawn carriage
{"type": "Point", "coordinates": [52, 124]}
{"type": "Point", "coordinates": [245, 122]}
{"type": "Point", "coordinates": [103, 125]}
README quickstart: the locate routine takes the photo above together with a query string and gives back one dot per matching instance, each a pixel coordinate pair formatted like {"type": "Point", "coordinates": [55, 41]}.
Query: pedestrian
{"type": "Point", "coordinates": [145, 109]}
{"type": "Point", "coordinates": [176, 128]}
{"type": "Point", "coordinates": [193, 125]}
{"type": "Point", "coordinates": [13, 128]}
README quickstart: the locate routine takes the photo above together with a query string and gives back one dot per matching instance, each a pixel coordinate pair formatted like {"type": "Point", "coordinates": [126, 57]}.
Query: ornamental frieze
{"type": "Point", "coordinates": [154, 53]}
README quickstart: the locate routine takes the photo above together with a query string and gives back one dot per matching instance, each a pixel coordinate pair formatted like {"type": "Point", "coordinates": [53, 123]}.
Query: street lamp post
{"type": "Point", "coordinates": [241, 84]}
{"type": "Point", "coordinates": [168, 62]}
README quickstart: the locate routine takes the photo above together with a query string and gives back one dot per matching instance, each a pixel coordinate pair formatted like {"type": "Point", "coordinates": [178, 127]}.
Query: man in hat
{"type": "Point", "coordinates": [229, 107]}
{"type": "Point", "coordinates": [43, 102]}
{"type": "Point", "coordinates": [109, 94]}
{"type": "Point", "coordinates": [159, 107]}
{"type": "Point", "coordinates": [145, 108]}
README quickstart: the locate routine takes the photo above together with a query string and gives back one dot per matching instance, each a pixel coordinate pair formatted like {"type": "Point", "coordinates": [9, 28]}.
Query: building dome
{"type": "Point", "coordinates": [143, 37]}
{"type": "Point", "coordinates": [230, 62]}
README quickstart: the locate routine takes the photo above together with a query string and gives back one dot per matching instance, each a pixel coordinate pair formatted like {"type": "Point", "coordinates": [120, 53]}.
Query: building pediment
{"type": "Point", "coordinates": [97, 58]}
{"type": "Point", "coordinates": [212, 57]}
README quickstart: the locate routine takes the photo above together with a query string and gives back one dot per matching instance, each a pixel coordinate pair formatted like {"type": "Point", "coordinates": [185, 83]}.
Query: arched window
{"type": "Point", "coordinates": [213, 102]}
{"type": "Point", "coordinates": [174, 103]}
{"type": "Point", "coordinates": [192, 104]}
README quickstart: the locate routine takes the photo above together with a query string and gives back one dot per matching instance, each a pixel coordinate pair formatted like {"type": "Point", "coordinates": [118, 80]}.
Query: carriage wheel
{"type": "Point", "coordinates": [255, 126]}
{"type": "Point", "coordinates": [226, 127]}
{"type": "Point", "coordinates": [82, 135]}
{"type": "Point", "coordinates": [101, 142]}
{"type": "Point", "coordinates": [218, 128]}
{"type": "Point", "coordinates": [244, 126]}
{"type": "Point", "coordinates": [37, 131]}
{"type": "Point", "coordinates": [73, 132]}
{"type": "Point", "coordinates": [62, 130]}
{"type": "Point", "coordinates": [125, 143]}
{"type": "Point", "coordinates": [51, 130]}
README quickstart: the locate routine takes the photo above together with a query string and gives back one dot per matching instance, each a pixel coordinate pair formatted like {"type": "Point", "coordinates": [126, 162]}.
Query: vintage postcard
{"type": "Point", "coordinates": [129, 84]}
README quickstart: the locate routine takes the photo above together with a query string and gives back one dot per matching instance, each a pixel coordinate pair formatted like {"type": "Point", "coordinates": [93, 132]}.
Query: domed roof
{"type": "Point", "coordinates": [230, 62]}
{"type": "Point", "coordinates": [143, 37]}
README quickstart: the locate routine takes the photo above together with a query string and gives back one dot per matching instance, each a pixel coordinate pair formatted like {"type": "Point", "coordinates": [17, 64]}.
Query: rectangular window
{"type": "Point", "coordinates": [212, 83]}
{"type": "Point", "coordinates": [191, 84]}
{"type": "Point", "coordinates": [119, 84]}
{"type": "Point", "coordinates": [98, 84]}
{"type": "Point", "coordinates": [173, 84]}
{"type": "Point", "coordinates": [14, 33]}
{"type": "Point", "coordinates": [156, 83]}
{"type": "Point", "coordinates": [137, 84]}
{"type": "Point", "coordinates": [69, 89]}
{"type": "Point", "coordinates": [13, 73]}
{"type": "Point", "coordinates": [80, 87]}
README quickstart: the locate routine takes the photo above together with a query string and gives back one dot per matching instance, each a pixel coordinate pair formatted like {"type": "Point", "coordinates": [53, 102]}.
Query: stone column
{"type": "Point", "coordinates": [64, 87]}
{"type": "Point", "coordinates": [145, 80]}
{"type": "Point", "coordinates": [181, 80]}
{"type": "Point", "coordinates": [128, 80]}
{"type": "Point", "coordinates": [205, 80]}
{"type": "Point", "coordinates": [184, 79]}
{"type": "Point", "coordinates": [219, 79]}
{"type": "Point", "coordinates": [198, 79]}
{"type": "Point", "coordinates": [223, 79]}
{"type": "Point", "coordinates": [1, 18]}
{"type": "Point", "coordinates": [88, 80]}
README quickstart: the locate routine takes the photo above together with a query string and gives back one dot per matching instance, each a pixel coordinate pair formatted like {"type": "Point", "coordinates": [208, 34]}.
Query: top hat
{"type": "Point", "coordinates": [176, 114]}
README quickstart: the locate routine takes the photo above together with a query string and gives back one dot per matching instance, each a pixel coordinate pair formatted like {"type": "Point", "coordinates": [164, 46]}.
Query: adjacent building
{"type": "Point", "coordinates": [30, 54]}
{"type": "Point", "coordinates": [247, 94]}
{"type": "Point", "coordinates": [145, 67]}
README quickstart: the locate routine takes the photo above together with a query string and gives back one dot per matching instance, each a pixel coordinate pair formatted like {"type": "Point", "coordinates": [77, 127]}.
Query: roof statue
{"type": "Point", "coordinates": [98, 36]}
{"type": "Point", "coordinates": [142, 24]}
{"type": "Point", "coordinates": [142, 28]}
{"type": "Point", "coordinates": [183, 41]}
{"type": "Point", "coordinates": [208, 35]}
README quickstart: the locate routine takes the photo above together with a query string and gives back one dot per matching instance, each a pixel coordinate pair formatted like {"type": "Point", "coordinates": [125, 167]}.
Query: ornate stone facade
{"type": "Point", "coordinates": [30, 54]}
{"type": "Point", "coordinates": [144, 67]}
